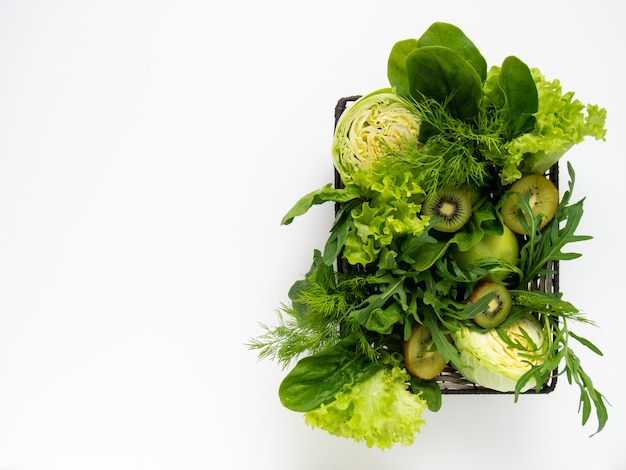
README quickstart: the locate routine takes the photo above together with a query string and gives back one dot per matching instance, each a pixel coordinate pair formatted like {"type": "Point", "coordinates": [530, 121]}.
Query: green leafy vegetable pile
{"type": "Point", "coordinates": [445, 220]}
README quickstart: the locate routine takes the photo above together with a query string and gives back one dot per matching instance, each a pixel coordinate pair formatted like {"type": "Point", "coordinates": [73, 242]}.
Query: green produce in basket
{"type": "Point", "coordinates": [446, 221]}
{"type": "Point", "coordinates": [500, 247]}
{"type": "Point", "coordinates": [498, 308]}
{"type": "Point", "coordinates": [543, 198]}
{"type": "Point", "coordinates": [498, 358]}
{"type": "Point", "coordinates": [371, 129]}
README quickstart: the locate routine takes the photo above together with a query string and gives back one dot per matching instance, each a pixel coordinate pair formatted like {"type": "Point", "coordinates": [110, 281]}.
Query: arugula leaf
{"type": "Point", "coordinates": [443, 345]}
{"type": "Point", "coordinates": [557, 350]}
{"type": "Point", "coordinates": [587, 343]}
{"type": "Point", "coordinates": [319, 196]}
{"type": "Point", "coordinates": [589, 395]}
{"type": "Point", "coordinates": [547, 245]}
{"type": "Point", "coordinates": [429, 390]}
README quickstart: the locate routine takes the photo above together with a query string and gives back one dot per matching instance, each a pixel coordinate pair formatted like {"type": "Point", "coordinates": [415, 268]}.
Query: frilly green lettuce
{"type": "Point", "coordinates": [392, 208]}
{"type": "Point", "coordinates": [379, 411]}
{"type": "Point", "coordinates": [489, 359]}
{"type": "Point", "coordinates": [561, 123]}
{"type": "Point", "coordinates": [366, 129]}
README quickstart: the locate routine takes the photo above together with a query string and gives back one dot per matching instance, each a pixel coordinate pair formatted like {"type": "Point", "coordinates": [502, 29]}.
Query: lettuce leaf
{"type": "Point", "coordinates": [379, 410]}
{"type": "Point", "coordinates": [391, 208]}
{"type": "Point", "coordinates": [561, 122]}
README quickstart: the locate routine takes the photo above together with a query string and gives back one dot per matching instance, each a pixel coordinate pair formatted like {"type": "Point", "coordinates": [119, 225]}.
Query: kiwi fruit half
{"type": "Point", "coordinates": [419, 357]}
{"type": "Point", "coordinates": [543, 199]}
{"type": "Point", "coordinates": [498, 308]}
{"type": "Point", "coordinates": [453, 206]}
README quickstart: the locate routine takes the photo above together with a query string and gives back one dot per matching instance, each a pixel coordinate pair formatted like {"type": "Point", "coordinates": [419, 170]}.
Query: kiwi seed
{"type": "Point", "coordinates": [543, 199]}
{"type": "Point", "coordinates": [419, 357]}
{"type": "Point", "coordinates": [453, 206]}
{"type": "Point", "coordinates": [498, 308]}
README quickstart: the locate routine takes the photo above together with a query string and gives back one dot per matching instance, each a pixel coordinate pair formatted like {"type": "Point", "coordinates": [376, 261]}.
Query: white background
{"type": "Point", "coordinates": [148, 150]}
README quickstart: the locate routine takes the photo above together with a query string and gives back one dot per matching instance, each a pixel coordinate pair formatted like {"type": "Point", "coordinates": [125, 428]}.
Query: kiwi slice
{"type": "Point", "coordinates": [419, 357]}
{"type": "Point", "coordinates": [543, 199]}
{"type": "Point", "coordinates": [498, 308]}
{"type": "Point", "coordinates": [453, 206]}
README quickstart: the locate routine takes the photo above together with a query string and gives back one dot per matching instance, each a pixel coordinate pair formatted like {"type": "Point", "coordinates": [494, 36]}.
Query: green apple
{"type": "Point", "coordinates": [504, 247]}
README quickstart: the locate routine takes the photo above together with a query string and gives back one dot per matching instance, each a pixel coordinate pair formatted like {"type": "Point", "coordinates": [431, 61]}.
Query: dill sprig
{"type": "Point", "coordinates": [454, 152]}
{"type": "Point", "coordinates": [290, 338]}
{"type": "Point", "coordinates": [317, 316]}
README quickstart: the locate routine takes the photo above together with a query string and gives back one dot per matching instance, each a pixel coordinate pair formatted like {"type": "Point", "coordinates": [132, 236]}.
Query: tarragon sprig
{"type": "Point", "coordinates": [558, 353]}
{"type": "Point", "coordinates": [541, 248]}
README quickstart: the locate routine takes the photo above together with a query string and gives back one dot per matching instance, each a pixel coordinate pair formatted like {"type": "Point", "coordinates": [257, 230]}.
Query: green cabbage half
{"type": "Point", "coordinates": [493, 361]}
{"type": "Point", "coordinates": [369, 127]}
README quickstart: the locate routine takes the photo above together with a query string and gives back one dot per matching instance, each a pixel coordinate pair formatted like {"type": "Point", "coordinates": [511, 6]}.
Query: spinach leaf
{"type": "Point", "coordinates": [319, 378]}
{"type": "Point", "coordinates": [440, 73]}
{"type": "Point", "coordinates": [438, 34]}
{"type": "Point", "coordinates": [493, 95]}
{"type": "Point", "coordinates": [521, 98]}
{"type": "Point", "coordinates": [396, 66]}
{"type": "Point", "coordinates": [452, 37]}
